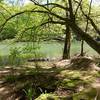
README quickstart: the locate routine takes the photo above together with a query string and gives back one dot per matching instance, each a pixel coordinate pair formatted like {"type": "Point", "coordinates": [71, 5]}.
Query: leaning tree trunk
{"type": "Point", "coordinates": [90, 41]}
{"type": "Point", "coordinates": [66, 52]}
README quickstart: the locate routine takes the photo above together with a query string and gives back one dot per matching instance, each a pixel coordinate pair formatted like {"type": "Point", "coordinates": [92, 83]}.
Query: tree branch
{"type": "Point", "coordinates": [53, 22]}
{"type": "Point", "coordinates": [33, 10]}
{"type": "Point", "coordinates": [3, 15]}
{"type": "Point", "coordinates": [90, 19]}
{"type": "Point", "coordinates": [88, 16]}
{"type": "Point", "coordinates": [56, 5]}
{"type": "Point", "coordinates": [42, 24]}
{"type": "Point", "coordinates": [78, 7]}
{"type": "Point", "coordinates": [92, 22]}
{"type": "Point", "coordinates": [52, 4]}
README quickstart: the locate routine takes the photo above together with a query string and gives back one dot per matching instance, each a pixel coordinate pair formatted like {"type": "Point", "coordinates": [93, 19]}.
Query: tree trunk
{"type": "Point", "coordinates": [67, 43]}
{"type": "Point", "coordinates": [90, 41]}
{"type": "Point", "coordinates": [82, 47]}
{"type": "Point", "coordinates": [66, 52]}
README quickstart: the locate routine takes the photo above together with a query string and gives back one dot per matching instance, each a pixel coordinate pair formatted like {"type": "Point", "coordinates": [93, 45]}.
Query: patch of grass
{"type": "Point", "coordinates": [11, 78]}
{"type": "Point", "coordinates": [30, 93]}
{"type": "Point", "coordinates": [47, 96]}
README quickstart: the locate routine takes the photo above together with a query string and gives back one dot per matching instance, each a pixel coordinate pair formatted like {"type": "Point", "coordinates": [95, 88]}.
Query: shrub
{"type": "Point", "coordinates": [15, 57]}
{"type": "Point", "coordinates": [8, 33]}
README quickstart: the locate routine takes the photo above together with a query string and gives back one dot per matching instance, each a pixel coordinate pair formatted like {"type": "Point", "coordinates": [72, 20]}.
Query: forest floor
{"type": "Point", "coordinates": [74, 79]}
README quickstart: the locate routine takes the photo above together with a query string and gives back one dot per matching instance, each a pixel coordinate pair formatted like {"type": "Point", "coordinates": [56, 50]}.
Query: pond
{"type": "Point", "coordinates": [48, 49]}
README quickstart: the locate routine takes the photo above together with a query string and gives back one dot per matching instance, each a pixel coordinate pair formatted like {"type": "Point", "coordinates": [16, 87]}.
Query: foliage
{"type": "Point", "coordinates": [47, 97]}
{"type": "Point", "coordinates": [18, 26]}
{"type": "Point", "coordinates": [30, 92]}
{"type": "Point", "coordinates": [4, 60]}
{"type": "Point", "coordinates": [11, 78]}
{"type": "Point", "coordinates": [14, 57]}
{"type": "Point", "coordinates": [8, 33]}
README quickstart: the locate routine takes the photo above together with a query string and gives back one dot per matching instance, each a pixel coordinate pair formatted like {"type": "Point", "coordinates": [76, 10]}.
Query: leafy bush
{"type": "Point", "coordinates": [8, 33]}
{"type": "Point", "coordinates": [15, 56]}
{"type": "Point", "coordinates": [31, 51]}
{"type": "Point", "coordinates": [13, 59]}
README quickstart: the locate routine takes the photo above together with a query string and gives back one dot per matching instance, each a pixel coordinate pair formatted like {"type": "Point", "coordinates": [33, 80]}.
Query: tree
{"type": "Point", "coordinates": [86, 29]}
{"type": "Point", "coordinates": [71, 17]}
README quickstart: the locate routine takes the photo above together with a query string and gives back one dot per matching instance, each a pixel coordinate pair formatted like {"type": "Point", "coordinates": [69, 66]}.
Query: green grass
{"type": "Point", "coordinates": [48, 49]}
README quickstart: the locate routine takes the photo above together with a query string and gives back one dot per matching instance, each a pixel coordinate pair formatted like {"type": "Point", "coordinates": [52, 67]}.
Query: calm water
{"type": "Point", "coordinates": [49, 49]}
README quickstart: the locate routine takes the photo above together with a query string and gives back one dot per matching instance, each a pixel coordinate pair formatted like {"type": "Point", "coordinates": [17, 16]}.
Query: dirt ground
{"type": "Point", "coordinates": [8, 91]}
